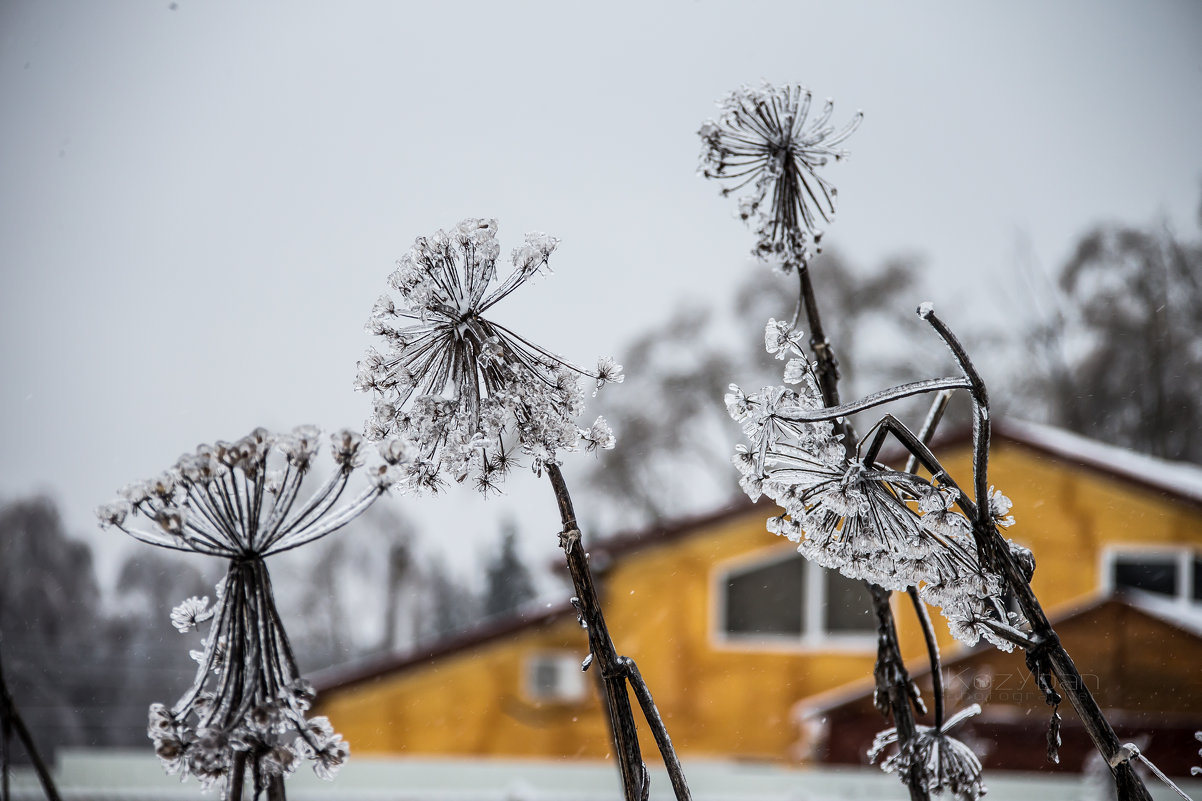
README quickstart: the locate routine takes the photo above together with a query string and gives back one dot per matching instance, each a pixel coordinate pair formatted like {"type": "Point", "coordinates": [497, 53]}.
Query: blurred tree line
{"type": "Point", "coordinates": [1120, 353]}
{"type": "Point", "coordinates": [1115, 356]}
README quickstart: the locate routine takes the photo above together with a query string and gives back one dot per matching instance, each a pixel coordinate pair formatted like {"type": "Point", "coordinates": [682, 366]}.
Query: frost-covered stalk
{"type": "Point", "coordinates": [616, 670]}
{"type": "Point", "coordinates": [766, 138]}
{"type": "Point", "coordinates": [246, 709]}
{"type": "Point", "coordinates": [466, 395]}
{"type": "Point", "coordinates": [930, 535]}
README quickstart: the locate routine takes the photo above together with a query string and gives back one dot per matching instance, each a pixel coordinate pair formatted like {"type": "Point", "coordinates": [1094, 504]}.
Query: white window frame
{"type": "Point", "coordinates": [571, 683]}
{"type": "Point", "coordinates": [1181, 556]}
{"type": "Point", "coordinates": [813, 635]}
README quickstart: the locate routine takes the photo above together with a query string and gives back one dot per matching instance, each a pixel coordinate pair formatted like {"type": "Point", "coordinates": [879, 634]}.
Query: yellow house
{"type": "Point", "coordinates": [733, 630]}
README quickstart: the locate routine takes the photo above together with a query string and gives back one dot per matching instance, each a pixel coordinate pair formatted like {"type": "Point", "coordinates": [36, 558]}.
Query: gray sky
{"type": "Point", "coordinates": [200, 204]}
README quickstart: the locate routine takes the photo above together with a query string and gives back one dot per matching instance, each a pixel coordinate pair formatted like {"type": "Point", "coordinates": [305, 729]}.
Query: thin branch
{"type": "Point", "coordinates": [890, 670]}
{"type": "Point", "coordinates": [928, 634]}
{"type": "Point", "coordinates": [633, 772]}
{"type": "Point", "coordinates": [875, 399]}
{"type": "Point", "coordinates": [660, 732]}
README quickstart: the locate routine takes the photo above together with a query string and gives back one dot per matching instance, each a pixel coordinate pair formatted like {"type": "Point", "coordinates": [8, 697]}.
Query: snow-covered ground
{"type": "Point", "coordinates": [114, 775]}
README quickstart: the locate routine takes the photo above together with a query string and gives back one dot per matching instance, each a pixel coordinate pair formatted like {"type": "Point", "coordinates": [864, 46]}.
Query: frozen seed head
{"type": "Point", "coordinates": [945, 765]}
{"type": "Point", "coordinates": [458, 387]}
{"type": "Point", "coordinates": [869, 522]}
{"type": "Point", "coordinates": [766, 139]}
{"type": "Point", "coordinates": [239, 499]}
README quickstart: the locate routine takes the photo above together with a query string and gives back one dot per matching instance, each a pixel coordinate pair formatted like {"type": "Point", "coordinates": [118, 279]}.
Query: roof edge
{"type": "Point", "coordinates": [345, 676]}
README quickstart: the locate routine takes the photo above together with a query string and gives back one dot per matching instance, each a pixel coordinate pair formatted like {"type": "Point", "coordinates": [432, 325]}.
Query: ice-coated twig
{"type": "Point", "coordinates": [1131, 751]}
{"type": "Point", "coordinates": [827, 413]}
{"type": "Point", "coordinates": [761, 137]}
{"type": "Point", "coordinates": [615, 670]}
{"type": "Point", "coordinates": [1046, 655]}
{"type": "Point", "coordinates": [658, 730]}
{"type": "Point", "coordinates": [928, 634]}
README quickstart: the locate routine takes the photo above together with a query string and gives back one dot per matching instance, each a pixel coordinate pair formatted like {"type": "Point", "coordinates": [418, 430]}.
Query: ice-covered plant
{"type": "Point", "coordinates": [766, 139]}
{"type": "Point", "coordinates": [889, 527]}
{"type": "Point", "coordinates": [892, 528]}
{"type": "Point", "coordinates": [945, 764]}
{"type": "Point", "coordinates": [464, 389]}
{"type": "Point", "coordinates": [761, 137]}
{"type": "Point", "coordinates": [468, 396]}
{"type": "Point", "coordinates": [242, 501]}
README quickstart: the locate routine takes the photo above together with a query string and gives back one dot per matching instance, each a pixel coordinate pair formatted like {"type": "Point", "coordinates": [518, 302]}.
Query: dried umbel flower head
{"type": "Point", "coordinates": [867, 521]}
{"type": "Point", "coordinates": [462, 389]}
{"type": "Point", "coordinates": [944, 764]}
{"type": "Point", "coordinates": [767, 139]}
{"type": "Point", "coordinates": [238, 500]}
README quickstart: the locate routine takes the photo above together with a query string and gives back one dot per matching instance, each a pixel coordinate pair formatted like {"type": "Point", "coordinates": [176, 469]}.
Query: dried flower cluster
{"type": "Point", "coordinates": [239, 501]}
{"type": "Point", "coordinates": [867, 521]}
{"type": "Point", "coordinates": [462, 390]}
{"type": "Point", "coordinates": [944, 764]}
{"type": "Point", "coordinates": [766, 138]}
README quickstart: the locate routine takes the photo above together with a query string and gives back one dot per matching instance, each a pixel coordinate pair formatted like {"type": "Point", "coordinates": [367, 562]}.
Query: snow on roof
{"type": "Point", "coordinates": [1178, 478]}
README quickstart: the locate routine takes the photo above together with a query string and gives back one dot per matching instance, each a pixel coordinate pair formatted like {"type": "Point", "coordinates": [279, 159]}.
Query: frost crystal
{"type": "Point", "coordinates": [766, 138]}
{"type": "Point", "coordinates": [867, 521]}
{"type": "Point", "coordinates": [238, 500]}
{"type": "Point", "coordinates": [458, 387]}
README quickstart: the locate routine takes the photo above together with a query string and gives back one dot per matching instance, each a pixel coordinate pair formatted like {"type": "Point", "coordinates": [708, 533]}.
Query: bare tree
{"type": "Point", "coordinates": [1121, 354]}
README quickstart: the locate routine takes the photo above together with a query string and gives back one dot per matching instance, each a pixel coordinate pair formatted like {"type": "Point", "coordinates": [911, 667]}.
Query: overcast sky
{"type": "Point", "coordinates": [201, 200]}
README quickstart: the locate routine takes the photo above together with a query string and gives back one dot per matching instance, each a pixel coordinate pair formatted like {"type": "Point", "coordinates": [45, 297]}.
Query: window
{"type": "Point", "coordinates": [555, 676]}
{"type": "Point", "coordinates": [786, 598]}
{"type": "Point", "coordinates": [1173, 573]}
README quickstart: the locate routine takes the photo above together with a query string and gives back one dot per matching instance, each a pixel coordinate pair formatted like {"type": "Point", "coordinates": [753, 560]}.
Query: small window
{"type": "Point", "coordinates": [1149, 574]}
{"type": "Point", "coordinates": [768, 599]}
{"type": "Point", "coordinates": [848, 607]}
{"type": "Point", "coordinates": [786, 598]}
{"type": "Point", "coordinates": [1173, 573]}
{"type": "Point", "coordinates": [555, 677]}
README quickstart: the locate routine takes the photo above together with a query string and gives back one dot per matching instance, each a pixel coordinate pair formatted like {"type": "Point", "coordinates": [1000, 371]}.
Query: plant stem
{"type": "Point", "coordinates": [828, 365]}
{"type": "Point", "coordinates": [890, 670]}
{"type": "Point", "coordinates": [237, 777]}
{"type": "Point", "coordinates": [10, 720]}
{"type": "Point", "coordinates": [1128, 783]}
{"type": "Point", "coordinates": [613, 673]}
{"type": "Point", "coordinates": [928, 633]}
{"type": "Point", "coordinates": [994, 552]}
{"type": "Point", "coordinates": [275, 789]}
{"type": "Point", "coordinates": [651, 713]}
{"type": "Point", "coordinates": [893, 681]}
